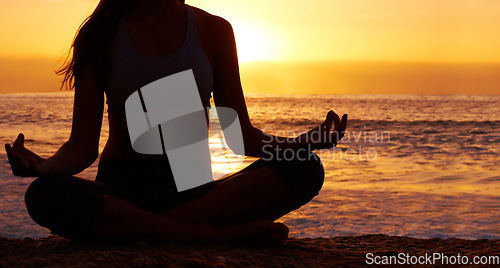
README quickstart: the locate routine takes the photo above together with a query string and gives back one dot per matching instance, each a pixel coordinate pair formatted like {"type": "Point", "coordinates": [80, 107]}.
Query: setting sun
{"type": "Point", "coordinates": [344, 45]}
{"type": "Point", "coordinates": [255, 43]}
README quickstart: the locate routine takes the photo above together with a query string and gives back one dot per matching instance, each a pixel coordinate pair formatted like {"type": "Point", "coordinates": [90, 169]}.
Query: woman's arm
{"type": "Point", "coordinates": [228, 93]}
{"type": "Point", "coordinates": [81, 149]}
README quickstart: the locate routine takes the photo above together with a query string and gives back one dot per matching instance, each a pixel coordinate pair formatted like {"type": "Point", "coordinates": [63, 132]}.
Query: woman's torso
{"type": "Point", "coordinates": [131, 69]}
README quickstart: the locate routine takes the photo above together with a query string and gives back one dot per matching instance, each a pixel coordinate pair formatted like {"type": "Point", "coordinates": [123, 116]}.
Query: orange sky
{"type": "Point", "coordinates": [278, 31]}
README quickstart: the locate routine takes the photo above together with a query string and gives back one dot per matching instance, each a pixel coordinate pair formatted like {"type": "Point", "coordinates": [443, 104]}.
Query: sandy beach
{"type": "Point", "coordinates": [55, 251]}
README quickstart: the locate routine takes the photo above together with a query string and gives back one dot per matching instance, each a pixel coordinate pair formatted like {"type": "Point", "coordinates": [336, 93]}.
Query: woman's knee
{"type": "Point", "coordinates": [63, 204]}
{"type": "Point", "coordinates": [304, 175]}
{"type": "Point", "coordinates": [312, 176]}
{"type": "Point", "coordinates": [40, 199]}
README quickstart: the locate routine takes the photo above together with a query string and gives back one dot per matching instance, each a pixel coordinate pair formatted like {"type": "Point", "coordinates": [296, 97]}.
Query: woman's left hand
{"type": "Point", "coordinates": [24, 162]}
{"type": "Point", "coordinates": [322, 137]}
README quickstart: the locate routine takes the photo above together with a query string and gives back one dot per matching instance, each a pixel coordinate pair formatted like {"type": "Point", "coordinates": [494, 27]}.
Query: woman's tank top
{"type": "Point", "coordinates": [130, 69]}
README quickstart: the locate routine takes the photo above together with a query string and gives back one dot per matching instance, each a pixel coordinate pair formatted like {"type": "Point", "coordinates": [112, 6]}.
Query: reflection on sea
{"type": "Point", "coordinates": [415, 165]}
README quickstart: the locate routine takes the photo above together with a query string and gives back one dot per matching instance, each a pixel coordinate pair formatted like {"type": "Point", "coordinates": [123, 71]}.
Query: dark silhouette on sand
{"type": "Point", "coordinates": [131, 198]}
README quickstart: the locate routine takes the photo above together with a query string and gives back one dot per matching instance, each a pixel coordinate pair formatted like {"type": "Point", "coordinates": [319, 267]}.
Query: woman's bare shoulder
{"type": "Point", "coordinates": [212, 23]}
{"type": "Point", "coordinates": [216, 34]}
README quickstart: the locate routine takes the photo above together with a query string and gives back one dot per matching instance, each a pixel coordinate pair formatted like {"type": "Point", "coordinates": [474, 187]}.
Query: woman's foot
{"type": "Point", "coordinates": [257, 232]}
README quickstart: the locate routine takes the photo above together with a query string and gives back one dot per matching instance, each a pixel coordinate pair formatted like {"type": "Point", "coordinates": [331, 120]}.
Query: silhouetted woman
{"type": "Point", "coordinates": [121, 47]}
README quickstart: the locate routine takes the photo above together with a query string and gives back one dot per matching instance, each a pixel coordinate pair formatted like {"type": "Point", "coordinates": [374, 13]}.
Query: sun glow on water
{"type": "Point", "coordinates": [224, 160]}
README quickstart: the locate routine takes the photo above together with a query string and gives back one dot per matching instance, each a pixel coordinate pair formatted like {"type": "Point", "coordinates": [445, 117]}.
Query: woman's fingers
{"type": "Point", "coordinates": [327, 124]}
{"type": "Point", "coordinates": [338, 134]}
{"type": "Point", "coordinates": [12, 154]}
{"type": "Point", "coordinates": [332, 119]}
{"type": "Point", "coordinates": [19, 143]}
{"type": "Point", "coordinates": [336, 119]}
{"type": "Point", "coordinates": [21, 160]}
{"type": "Point", "coordinates": [343, 123]}
{"type": "Point", "coordinates": [8, 150]}
{"type": "Point", "coordinates": [13, 160]}
{"type": "Point", "coordinates": [322, 137]}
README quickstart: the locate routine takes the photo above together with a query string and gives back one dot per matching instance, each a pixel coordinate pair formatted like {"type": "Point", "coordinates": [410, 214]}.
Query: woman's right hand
{"type": "Point", "coordinates": [24, 162]}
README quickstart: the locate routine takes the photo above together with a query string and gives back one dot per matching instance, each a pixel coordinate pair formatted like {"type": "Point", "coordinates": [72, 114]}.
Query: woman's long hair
{"type": "Point", "coordinates": [92, 42]}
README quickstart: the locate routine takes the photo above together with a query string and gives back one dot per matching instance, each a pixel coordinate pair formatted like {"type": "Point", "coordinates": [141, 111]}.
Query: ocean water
{"type": "Point", "coordinates": [411, 165]}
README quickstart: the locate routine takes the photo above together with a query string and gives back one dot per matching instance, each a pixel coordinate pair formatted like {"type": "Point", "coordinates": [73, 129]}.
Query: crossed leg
{"type": "Point", "coordinates": [240, 209]}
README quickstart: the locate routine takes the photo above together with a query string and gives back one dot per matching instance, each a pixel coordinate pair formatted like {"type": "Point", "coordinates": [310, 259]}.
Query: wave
{"type": "Point", "coordinates": [355, 122]}
{"type": "Point", "coordinates": [492, 179]}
